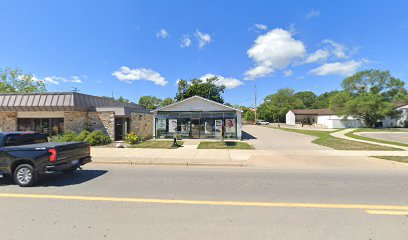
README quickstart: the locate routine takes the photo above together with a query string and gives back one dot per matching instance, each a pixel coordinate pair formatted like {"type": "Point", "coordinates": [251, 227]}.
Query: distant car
{"type": "Point", "coordinates": [27, 156]}
{"type": "Point", "coordinates": [261, 122]}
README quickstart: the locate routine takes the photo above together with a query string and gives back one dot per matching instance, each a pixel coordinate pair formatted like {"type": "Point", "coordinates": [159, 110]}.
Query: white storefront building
{"type": "Point", "coordinates": [197, 117]}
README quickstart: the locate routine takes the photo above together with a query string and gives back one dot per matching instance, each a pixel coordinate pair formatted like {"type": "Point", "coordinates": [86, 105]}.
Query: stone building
{"type": "Point", "coordinates": [55, 113]}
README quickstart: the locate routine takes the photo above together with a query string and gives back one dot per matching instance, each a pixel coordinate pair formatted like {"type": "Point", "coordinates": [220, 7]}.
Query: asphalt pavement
{"type": "Point", "coordinates": [138, 202]}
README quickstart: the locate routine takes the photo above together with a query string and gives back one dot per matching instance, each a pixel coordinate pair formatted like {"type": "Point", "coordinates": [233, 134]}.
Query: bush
{"type": "Point", "coordinates": [133, 138]}
{"type": "Point", "coordinates": [82, 136]}
{"type": "Point", "coordinates": [69, 136]}
{"type": "Point", "coordinates": [97, 138]}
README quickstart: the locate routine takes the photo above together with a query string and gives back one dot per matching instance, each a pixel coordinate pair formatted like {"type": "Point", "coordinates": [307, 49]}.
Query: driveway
{"type": "Point", "coordinates": [265, 138]}
{"type": "Point", "coordinates": [401, 137]}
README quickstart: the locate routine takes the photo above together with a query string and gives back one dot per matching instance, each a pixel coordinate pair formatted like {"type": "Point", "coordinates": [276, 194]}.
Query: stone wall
{"type": "Point", "coordinates": [8, 121]}
{"type": "Point", "coordinates": [142, 123]}
{"type": "Point", "coordinates": [75, 121]}
{"type": "Point", "coordinates": [104, 121]}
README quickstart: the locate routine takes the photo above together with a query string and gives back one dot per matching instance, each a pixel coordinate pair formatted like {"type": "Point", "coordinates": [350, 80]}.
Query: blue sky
{"type": "Point", "coordinates": [135, 48]}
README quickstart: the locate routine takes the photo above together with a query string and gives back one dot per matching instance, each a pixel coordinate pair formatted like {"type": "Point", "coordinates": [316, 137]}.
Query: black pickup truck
{"type": "Point", "coordinates": [26, 156]}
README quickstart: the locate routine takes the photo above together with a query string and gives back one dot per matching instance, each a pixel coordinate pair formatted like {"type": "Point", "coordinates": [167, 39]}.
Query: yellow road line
{"type": "Point", "coordinates": [199, 202]}
{"type": "Point", "coordinates": [382, 212]}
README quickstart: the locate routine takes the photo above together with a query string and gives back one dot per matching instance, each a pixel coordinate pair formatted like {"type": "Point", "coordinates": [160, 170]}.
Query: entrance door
{"type": "Point", "coordinates": [119, 129]}
{"type": "Point", "coordinates": [195, 128]}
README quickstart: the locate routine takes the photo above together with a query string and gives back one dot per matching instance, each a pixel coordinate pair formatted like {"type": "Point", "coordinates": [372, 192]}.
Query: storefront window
{"type": "Point", "coordinates": [49, 126]}
{"type": "Point", "coordinates": [196, 124]}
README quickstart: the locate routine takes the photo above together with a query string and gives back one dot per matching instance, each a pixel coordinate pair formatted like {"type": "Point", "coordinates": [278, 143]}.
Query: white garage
{"type": "Point", "coordinates": [321, 118]}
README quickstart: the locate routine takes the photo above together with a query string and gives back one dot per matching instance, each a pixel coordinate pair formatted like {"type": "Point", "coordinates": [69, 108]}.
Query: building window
{"type": "Point", "coordinates": [48, 126]}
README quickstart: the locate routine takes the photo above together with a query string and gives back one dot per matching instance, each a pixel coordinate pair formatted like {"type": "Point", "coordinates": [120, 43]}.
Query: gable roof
{"type": "Point", "coordinates": [323, 111]}
{"type": "Point", "coordinates": [59, 101]}
{"type": "Point", "coordinates": [184, 101]}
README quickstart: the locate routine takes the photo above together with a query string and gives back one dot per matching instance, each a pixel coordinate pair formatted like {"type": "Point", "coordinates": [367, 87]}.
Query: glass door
{"type": "Point", "coordinates": [195, 128]}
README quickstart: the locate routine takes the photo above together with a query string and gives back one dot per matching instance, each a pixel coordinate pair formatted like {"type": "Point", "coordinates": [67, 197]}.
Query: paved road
{"type": "Point", "coordinates": [189, 203]}
{"type": "Point", "coordinates": [265, 138]}
{"type": "Point", "coordinates": [401, 137]}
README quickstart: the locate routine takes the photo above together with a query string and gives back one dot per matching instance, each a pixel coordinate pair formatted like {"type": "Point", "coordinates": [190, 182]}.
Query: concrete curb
{"type": "Point", "coordinates": [186, 164]}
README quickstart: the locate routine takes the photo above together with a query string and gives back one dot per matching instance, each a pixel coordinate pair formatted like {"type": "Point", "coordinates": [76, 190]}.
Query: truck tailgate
{"type": "Point", "coordinates": [72, 151]}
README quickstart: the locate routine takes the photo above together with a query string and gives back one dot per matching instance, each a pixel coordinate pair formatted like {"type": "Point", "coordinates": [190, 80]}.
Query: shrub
{"type": "Point", "coordinates": [69, 136]}
{"type": "Point", "coordinates": [82, 136]}
{"type": "Point", "coordinates": [55, 138]}
{"type": "Point", "coordinates": [133, 138]}
{"type": "Point", "coordinates": [97, 138]}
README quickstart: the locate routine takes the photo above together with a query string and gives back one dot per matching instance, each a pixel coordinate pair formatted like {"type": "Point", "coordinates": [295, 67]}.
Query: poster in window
{"type": "Point", "coordinates": [161, 124]}
{"type": "Point", "coordinates": [230, 125]}
{"type": "Point", "coordinates": [218, 125]}
{"type": "Point", "coordinates": [172, 125]}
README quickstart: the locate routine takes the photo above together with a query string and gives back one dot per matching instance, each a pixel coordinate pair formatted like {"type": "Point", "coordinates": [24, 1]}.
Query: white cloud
{"type": "Point", "coordinates": [128, 75]}
{"type": "Point", "coordinates": [287, 73]}
{"type": "Point", "coordinates": [319, 55]}
{"type": "Point", "coordinates": [338, 68]}
{"type": "Point", "coordinates": [202, 38]}
{"type": "Point", "coordinates": [261, 27]}
{"type": "Point", "coordinates": [229, 83]}
{"type": "Point", "coordinates": [162, 33]}
{"type": "Point", "coordinates": [312, 14]}
{"type": "Point", "coordinates": [273, 50]}
{"type": "Point", "coordinates": [186, 41]}
{"type": "Point", "coordinates": [57, 80]}
{"type": "Point", "coordinates": [337, 49]}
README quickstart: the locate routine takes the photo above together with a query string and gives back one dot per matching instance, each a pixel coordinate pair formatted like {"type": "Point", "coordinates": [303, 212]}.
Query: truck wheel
{"type": "Point", "coordinates": [70, 170]}
{"type": "Point", "coordinates": [25, 175]}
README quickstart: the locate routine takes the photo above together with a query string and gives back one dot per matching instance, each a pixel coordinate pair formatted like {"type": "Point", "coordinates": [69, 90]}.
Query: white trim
{"type": "Point", "coordinates": [187, 99]}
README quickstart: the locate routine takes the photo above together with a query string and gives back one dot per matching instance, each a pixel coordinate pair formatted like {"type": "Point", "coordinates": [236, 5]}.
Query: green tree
{"type": "Point", "coordinates": [122, 99]}
{"type": "Point", "coordinates": [15, 81]}
{"type": "Point", "coordinates": [275, 106]}
{"type": "Point", "coordinates": [307, 97]}
{"type": "Point", "coordinates": [206, 89]}
{"type": "Point", "coordinates": [167, 101]}
{"type": "Point", "coordinates": [369, 95]}
{"type": "Point", "coordinates": [322, 101]}
{"type": "Point", "coordinates": [150, 102]}
{"type": "Point", "coordinates": [249, 116]}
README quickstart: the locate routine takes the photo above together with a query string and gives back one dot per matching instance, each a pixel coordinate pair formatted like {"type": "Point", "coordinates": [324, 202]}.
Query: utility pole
{"type": "Point", "coordinates": [75, 90]}
{"type": "Point", "coordinates": [255, 106]}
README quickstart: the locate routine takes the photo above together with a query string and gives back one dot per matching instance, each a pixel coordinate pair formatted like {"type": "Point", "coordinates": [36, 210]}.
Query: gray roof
{"type": "Point", "coordinates": [60, 101]}
{"type": "Point", "coordinates": [323, 111]}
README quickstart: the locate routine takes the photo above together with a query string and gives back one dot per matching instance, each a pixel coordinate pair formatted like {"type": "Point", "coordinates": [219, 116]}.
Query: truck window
{"type": "Point", "coordinates": [24, 139]}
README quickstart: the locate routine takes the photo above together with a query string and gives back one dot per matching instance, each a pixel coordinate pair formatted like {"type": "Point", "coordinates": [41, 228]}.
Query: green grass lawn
{"type": "Point", "coordinates": [353, 135]}
{"type": "Point", "coordinates": [157, 144]}
{"type": "Point", "coordinates": [394, 158]}
{"type": "Point", "coordinates": [325, 139]}
{"type": "Point", "coordinates": [226, 145]}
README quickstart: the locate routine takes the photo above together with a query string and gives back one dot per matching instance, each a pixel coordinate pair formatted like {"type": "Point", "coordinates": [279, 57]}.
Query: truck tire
{"type": "Point", "coordinates": [25, 175]}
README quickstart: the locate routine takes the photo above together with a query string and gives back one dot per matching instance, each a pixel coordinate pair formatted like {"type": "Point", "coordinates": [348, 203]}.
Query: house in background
{"type": "Point", "coordinates": [401, 120]}
{"type": "Point", "coordinates": [55, 113]}
{"type": "Point", "coordinates": [197, 117]}
{"type": "Point", "coordinates": [321, 118]}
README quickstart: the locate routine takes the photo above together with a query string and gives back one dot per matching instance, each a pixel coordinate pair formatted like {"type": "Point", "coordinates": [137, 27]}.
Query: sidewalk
{"type": "Point", "coordinates": [189, 155]}
{"type": "Point", "coordinates": [340, 134]}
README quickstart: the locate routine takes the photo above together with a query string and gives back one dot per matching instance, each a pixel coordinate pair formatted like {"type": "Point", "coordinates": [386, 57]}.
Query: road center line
{"type": "Point", "coordinates": [382, 212]}
{"type": "Point", "coordinates": [205, 202]}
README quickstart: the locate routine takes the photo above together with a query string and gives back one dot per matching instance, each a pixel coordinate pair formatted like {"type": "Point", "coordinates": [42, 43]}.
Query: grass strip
{"type": "Point", "coordinates": [225, 145]}
{"type": "Point", "coordinates": [325, 139]}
